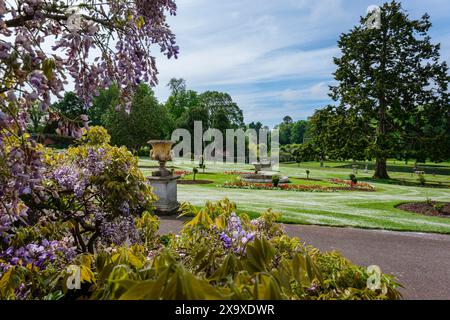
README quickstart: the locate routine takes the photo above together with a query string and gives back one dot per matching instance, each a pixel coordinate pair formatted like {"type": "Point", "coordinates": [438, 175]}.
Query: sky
{"type": "Point", "coordinates": [274, 57]}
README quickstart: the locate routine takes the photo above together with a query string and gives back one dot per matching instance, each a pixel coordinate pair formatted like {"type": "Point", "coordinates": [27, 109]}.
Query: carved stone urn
{"type": "Point", "coordinates": [161, 152]}
{"type": "Point", "coordinates": [164, 183]}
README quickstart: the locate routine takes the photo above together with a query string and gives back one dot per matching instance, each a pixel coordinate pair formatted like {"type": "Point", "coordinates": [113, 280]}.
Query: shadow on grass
{"type": "Point", "coordinates": [401, 182]}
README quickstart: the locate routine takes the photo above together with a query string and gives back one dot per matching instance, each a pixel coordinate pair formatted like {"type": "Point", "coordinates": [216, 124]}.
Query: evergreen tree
{"type": "Point", "coordinates": [394, 79]}
{"type": "Point", "coordinates": [145, 120]}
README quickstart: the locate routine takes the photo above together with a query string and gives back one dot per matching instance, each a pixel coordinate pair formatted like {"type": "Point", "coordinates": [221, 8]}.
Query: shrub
{"type": "Point", "coordinates": [275, 180]}
{"type": "Point", "coordinates": [144, 151]}
{"type": "Point", "coordinates": [194, 171]}
{"type": "Point", "coordinates": [422, 179]}
{"type": "Point", "coordinates": [218, 255]}
{"type": "Point", "coordinates": [439, 207]}
{"type": "Point", "coordinates": [353, 179]}
{"type": "Point", "coordinates": [92, 192]}
{"type": "Point", "coordinates": [202, 164]}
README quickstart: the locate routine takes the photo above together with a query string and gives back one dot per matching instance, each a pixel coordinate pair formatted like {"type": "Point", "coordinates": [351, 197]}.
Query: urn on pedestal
{"type": "Point", "coordinates": [164, 183]}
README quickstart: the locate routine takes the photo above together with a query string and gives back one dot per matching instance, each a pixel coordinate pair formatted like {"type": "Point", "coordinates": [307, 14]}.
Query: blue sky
{"type": "Point", "coordinates": [273, 56]}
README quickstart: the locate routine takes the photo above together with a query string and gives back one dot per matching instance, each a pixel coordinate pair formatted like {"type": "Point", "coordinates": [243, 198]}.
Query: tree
{"type": "Point", "coordinates": [146, 120]}
{"type": "Point", "coordinates": [257, 126]}
{"type": "Point", "coordinates": [284, 133]}
{"type": "Point", "coordinates": [339, 133]}
{"type": "Point", "coordinates": [101, 104]}
{"type": "Point", "coordinates": [291, 132]}
{"type": "Point", "coordinates": [287, 120]}
{"type": "Point", "coordinates": [195, 113]}
{"type": "Point", "coordinates": [298, 131]}
{"type": "Point", "coordinates": [122, 32]}
{"type": "Point", "coordinates": [177, 86]}
{"type": "Point", "coordinates": [180, 99]}
{"type": "Point", "coordinates": [223, 112]}
{"type": "Point", "coordinates": [390, 76]}
{"type": "Point", "coordinates": [34, 73]}
{"type": "Point", "coordinates": [36, 123]}
{"type": "Point", "coordinates": [67, 116]}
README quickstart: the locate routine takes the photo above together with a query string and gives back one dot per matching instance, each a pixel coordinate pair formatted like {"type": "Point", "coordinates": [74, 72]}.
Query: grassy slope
{"type": "Point", "coordinates": [356, 209]}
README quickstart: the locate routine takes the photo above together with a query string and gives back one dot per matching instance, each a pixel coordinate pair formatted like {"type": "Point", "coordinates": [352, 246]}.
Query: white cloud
{"type": "Point", "coordinates": [318, 91]}
{"type": "Point", "coordinates": [270, 55]}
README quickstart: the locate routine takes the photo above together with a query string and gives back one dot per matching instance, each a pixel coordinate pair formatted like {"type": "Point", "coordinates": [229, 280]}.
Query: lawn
{"type": "Point", "coordinates": [374, 210]}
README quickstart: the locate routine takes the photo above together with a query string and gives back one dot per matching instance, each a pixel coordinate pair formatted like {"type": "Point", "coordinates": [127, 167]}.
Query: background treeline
{"type": "Point", "coordinates": [146, 118]}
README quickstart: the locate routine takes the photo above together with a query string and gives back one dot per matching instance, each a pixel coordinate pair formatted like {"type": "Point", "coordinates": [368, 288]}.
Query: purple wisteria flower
{"type": "Point", "coordinates": [121, 230]}
{"type": "Point", "coordinates": [234, 236]}
{"type": "Point", "coordinates": [39, 254]}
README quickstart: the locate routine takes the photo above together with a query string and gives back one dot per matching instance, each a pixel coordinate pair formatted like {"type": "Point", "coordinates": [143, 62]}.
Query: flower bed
{"type": "Point", "coordinates": [297, 187]}
{"type": "Point", "coordinates": [235, 173]}
{"type": "Point", "coordinates": [359, 185]}
{"type": "Point", "coordinates": [182, 173]}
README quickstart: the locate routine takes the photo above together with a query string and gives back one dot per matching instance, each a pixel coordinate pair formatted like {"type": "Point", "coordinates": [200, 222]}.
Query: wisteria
{"type": "Point", "coordinates": [110, 42]}
{"type": "Point", "coordinates": [38, 254]}
{"type": "Point", "coordinates": [120, 231]}
{"type": "Point", "coordinates": [234, 237]}
{"type": "Point", "coordinates": [137, 25]}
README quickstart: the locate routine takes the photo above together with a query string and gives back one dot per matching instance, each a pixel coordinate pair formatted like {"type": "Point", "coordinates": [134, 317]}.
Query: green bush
{"type": "Point", "coordinates": [422, 179]}
{"type": "Point", "coordinates": [275, 181]}
{"type": "Point", "coordinates": [194, 171]}
{"type": "Point", "coordinates": [144, 151]}
{"type": "Point", "coordinates": [353, 179]}
{"type": "Point", "coordinates": [217, 255]}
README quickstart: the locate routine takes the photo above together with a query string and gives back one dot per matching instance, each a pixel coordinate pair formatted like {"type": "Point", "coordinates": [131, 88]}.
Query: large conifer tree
{"type": "Point", "coordinates": [394, 78]}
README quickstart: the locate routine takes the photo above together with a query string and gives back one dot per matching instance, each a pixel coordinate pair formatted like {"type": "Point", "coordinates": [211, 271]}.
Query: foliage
{"type": "Point", "coordinates": [90, 192]}
{"type": "Point", "coordinates": [194, 171]}
{"type": "Point", "coordinates": [291, 132]}
{"type": "Point", "coordinates": [218, 255]}
{"type": "Point", "coordinates": [214, 109]}
{"type": "Point", "coordinates": [275, 180]}
{"type": "Point", "coordinates": [180, 100]}
{"type": "Point", "coordinates": [135, 26]}
{"type": "Point", "coordinates": [439, 207]}
{"type": "Point", "coordinates": [353, 179]}
{"type": "Point", "coordinates": [339, 133]}
{"type": "Point", "coordinates": [145, 120]}
{"type": "Point", "coordinates": [298, 153]}
{"type": "Point", "coordinates": [202, 164]}
{"type": "Point", "coordinates": [223, 112]}
{"type": "Point", "coordinates": [67, 117]}
{"type": "Point", "coordinates": [106, 100]}
{"type": "Point", "coordinates": [32, 73]}
{"type": "Point", "coordinates": [393, 80]}
{"type": "Point", "coordinates": [422, 179]}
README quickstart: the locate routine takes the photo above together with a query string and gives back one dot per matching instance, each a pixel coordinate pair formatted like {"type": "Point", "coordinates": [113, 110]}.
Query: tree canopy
{"type": "Point", "coordinates": [145, 120]}
{"type": "Point", "coordinates": [392, 80]}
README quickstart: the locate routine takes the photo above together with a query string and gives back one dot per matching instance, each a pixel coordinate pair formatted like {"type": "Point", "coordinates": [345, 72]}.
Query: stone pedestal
{"type": "Point", "coordinates": [166, 189]}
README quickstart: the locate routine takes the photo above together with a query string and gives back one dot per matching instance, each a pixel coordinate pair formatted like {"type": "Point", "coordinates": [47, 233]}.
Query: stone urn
{"type": "Point", "coordinates": [164, 183]}
{"type": "Point", "coordinates": [257, 166]}
{"type": "Point", "coordinates": [161, 152]}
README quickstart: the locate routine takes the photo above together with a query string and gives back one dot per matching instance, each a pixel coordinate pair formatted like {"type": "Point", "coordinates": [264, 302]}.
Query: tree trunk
{"type": "Point", "coordinates": [382, 145]}
{"type": "Point", "coordinates": [381, 169]}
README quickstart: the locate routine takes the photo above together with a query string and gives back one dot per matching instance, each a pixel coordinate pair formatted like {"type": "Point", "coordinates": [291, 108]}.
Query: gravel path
{"type": "Point", "coordinates": [421, 262]}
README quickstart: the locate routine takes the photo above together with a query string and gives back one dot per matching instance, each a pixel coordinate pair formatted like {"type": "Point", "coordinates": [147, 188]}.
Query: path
{"type": "Point", "coordinates": [421, 262]}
